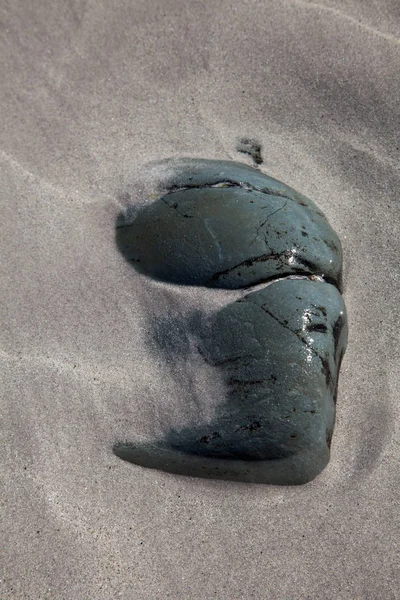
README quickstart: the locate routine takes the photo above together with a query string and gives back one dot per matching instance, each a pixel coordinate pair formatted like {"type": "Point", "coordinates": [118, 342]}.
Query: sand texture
{"type": "Point", "coordinates": [93, 95]}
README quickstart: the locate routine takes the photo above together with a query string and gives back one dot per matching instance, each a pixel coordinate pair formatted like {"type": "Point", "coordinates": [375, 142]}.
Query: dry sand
{"type": "Point", "coordinates": [91, 92]}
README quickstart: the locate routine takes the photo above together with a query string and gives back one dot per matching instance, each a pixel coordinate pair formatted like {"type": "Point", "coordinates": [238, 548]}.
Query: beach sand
{"type": "Point", "coordinates": [92, 92]}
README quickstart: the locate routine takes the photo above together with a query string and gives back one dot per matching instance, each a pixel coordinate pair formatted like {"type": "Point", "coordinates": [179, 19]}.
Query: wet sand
{"type": "Point", "coordinates": [92, 92]}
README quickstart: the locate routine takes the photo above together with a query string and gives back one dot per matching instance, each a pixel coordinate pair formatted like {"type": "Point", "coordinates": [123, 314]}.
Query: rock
{"type": "Point", "coordinates": [249, 229]}
{"type": "Point", "coordinates": [277, 350]}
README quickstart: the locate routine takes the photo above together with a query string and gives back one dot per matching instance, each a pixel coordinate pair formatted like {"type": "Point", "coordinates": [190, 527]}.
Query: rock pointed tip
{"type": "Point", "coordinates": [124, 450]}
{"type": "Point", "coordinates": [143, 454]}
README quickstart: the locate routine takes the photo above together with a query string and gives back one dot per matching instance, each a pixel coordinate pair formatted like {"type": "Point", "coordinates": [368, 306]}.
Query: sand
{"type": "Point", "coordinates": [93, 91]}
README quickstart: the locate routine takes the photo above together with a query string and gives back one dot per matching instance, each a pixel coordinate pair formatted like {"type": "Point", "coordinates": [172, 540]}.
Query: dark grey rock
{"type": "Point", "coordinates": [249, 229]}
{"type": "Point", "coordinates": [277, 350]}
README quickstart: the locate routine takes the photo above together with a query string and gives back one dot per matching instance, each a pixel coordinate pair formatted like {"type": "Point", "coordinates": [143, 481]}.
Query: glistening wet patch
{"type": "Point", "coordinates": [278, 349]}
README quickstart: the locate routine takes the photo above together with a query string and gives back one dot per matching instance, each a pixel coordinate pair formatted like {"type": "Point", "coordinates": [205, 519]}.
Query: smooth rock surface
{"type": "Point", "coordinates": [248, 229]}
{"type": "Point", "coordinates": [279, 350]}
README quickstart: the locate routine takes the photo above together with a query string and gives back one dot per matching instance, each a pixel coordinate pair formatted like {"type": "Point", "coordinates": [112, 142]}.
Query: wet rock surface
{"type": "Point", "coordinates": [277, 349]}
